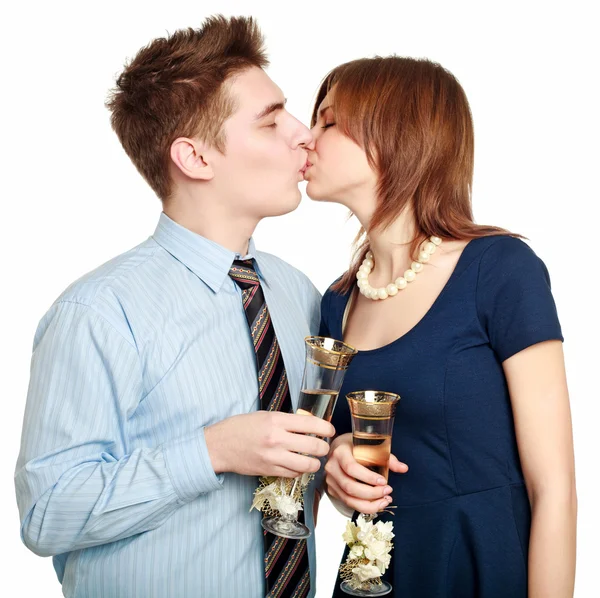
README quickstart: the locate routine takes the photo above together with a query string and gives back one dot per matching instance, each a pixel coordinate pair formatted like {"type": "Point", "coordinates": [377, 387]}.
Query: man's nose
{"type": "Point", "coordinates": [306, 139]}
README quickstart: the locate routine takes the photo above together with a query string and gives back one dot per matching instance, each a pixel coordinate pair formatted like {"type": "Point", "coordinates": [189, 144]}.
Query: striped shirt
{"type": "Point", "coordinates": [129, 365]}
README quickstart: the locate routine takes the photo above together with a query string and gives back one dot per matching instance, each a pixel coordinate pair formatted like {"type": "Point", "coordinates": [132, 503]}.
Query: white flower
{"type": "Point", "coordinates": [377, 551]}
{"type": "Point", "coordinates": [363, 524]}
{"type": "Point", "coordinates": [366, 529]}
{"type": "Point", "coordinates": [268, 493]}
{"type": "Point", "coordinates": [385, 530]}
{"type": "Point", "coordinates": [366, 572]}
{"type": "Point", "coordinates": [286, 505]}
{"type": "Point", "coordinates": [370, 541]}
{"type": "Point", "coordinates": [349, 536]}
{"type": "Point", "coordinates": [366, 539]}
{"type": "Point", "coordinates": [383, 563]}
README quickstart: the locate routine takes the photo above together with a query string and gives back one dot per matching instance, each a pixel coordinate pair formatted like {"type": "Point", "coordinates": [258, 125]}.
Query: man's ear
{"type": "Point", "coordinates": [192, 157]}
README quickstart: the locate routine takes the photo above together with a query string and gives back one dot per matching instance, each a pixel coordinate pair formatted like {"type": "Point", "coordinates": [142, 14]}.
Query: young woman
{"type": "Point", "coordinates": [459, 320]}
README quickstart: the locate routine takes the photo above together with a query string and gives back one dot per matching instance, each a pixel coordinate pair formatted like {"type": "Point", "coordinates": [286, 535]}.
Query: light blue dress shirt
{"type": "Point", "coordinates": [129, 365]}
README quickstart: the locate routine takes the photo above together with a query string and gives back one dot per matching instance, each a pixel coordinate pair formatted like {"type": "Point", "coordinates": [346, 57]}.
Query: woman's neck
{"type": "Point", "coordinates": [391, 248]}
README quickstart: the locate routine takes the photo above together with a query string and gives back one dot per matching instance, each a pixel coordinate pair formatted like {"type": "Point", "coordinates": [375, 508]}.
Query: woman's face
{"type": "Point", "coordinates": [339, 171]}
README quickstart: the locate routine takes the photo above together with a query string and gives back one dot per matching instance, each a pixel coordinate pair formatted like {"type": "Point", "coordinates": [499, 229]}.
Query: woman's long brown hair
{"type": "Point", "coordinates": [412, 118]}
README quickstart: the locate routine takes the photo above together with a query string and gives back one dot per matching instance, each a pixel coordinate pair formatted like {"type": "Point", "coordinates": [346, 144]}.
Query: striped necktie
{"type": "Point", "coordinates": [287, 570]}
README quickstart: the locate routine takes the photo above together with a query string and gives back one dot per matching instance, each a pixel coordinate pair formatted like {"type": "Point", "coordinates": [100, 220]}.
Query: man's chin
{"type": "Point", "coordinates": [282, 208]}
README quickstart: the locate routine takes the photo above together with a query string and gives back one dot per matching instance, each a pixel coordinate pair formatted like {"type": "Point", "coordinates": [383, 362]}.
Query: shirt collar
{"type": "Point", "coordinates": [205, 258]}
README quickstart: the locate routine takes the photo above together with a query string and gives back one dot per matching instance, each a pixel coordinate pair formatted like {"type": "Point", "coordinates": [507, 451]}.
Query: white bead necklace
{"type": "Point", "coordinates": [427, 249]}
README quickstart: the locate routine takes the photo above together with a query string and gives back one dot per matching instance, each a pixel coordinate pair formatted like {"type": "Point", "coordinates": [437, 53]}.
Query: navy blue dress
{"type": "Point", "coordinates": [462, 518]}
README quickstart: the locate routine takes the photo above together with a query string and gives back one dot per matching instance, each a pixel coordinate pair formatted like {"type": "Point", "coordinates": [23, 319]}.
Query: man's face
{"type": "Point", "coordinates": [265, 156]}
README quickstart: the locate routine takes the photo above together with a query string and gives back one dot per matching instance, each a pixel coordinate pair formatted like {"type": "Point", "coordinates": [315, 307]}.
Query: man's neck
{"type": "Point", "coordinates": [229, 231]}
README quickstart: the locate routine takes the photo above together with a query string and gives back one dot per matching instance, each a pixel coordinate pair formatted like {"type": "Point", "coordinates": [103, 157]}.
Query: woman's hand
{"type": "Point", "coordinates": [353, 484]}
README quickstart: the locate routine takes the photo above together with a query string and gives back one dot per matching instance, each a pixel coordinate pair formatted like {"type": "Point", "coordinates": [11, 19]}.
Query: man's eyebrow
{"type": "Point", "coordinates": [271, 108]}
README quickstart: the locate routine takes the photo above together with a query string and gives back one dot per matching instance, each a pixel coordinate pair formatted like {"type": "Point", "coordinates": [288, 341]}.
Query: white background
{"type": "Point", "coordinates": [71, 200]}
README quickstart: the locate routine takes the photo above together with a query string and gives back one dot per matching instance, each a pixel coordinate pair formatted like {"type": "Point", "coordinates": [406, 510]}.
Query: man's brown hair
{"type": "Point", "coordinates": [174, 87]}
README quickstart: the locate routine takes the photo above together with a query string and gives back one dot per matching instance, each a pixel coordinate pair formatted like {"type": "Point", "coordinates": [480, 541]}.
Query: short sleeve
{"type": "Point", "coordinates": [514, 298]}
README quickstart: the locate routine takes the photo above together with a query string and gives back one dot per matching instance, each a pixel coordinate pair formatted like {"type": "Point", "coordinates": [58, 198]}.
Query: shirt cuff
{"type": "Point", "coordinates": [190, 467]}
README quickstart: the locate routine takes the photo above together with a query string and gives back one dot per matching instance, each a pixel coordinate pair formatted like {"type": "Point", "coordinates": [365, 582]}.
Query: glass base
{"type": "Point", "coordinates": [375, 590]}
{"type": "Point", "coordinates": [294, 530]}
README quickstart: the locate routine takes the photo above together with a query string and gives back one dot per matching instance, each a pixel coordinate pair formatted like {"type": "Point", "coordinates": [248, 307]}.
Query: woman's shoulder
{"type": "Point", "coordinates": [502, 246]}
{"type": "Point", "coordinates": [510, 272]}
{"type": "Point", "coordinates": [514, 296]}
{"type": "Point", "coordinates": [505, 253]}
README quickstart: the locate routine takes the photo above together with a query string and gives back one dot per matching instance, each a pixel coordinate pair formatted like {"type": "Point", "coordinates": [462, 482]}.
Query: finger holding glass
{"type": "Point", "coordinates": [350, 485]}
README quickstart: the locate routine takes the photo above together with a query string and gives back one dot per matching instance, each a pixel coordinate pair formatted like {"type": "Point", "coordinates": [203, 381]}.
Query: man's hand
{"type": "Point", "coordinates": [268, 443]}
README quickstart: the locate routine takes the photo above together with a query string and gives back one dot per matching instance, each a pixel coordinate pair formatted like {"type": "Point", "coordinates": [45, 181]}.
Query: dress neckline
{"type": "Point", "coordinates": [458, 269]}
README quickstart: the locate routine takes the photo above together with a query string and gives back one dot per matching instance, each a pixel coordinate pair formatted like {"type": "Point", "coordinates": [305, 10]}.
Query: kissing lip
{"type": "Point", "coordinates": [305, 167]}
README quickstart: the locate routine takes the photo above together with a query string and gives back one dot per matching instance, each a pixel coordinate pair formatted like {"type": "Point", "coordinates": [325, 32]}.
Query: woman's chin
{"type": "Point", "coordinates": [314, 193]}
{"type": "Point", "coordinates": [317, 193]}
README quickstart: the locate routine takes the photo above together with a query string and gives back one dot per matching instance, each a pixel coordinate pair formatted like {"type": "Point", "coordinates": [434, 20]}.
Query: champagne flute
{"type": "Point", "coordinates": [326, 363]}
{"type": "Point", "coordinates": [372, 426]}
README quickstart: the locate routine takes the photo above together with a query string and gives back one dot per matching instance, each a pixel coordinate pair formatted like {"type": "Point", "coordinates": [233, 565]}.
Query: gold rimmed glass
{"type": "Point", "coordinates": [373, 413]}
{"type": "Point", "coordinates": [326, 363]}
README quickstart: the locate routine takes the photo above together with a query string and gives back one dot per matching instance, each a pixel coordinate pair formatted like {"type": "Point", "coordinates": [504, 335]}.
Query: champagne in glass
{"type": "Point", "coordinates": [319, 403]}
{"type": "Point", "coordinates": [373, 451]}
{"type": "Point", "coordinates": [372, 425]}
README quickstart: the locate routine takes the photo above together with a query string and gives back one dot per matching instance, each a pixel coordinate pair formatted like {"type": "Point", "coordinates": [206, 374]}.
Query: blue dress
{"type": "Point", "coordinates": [462, 519]}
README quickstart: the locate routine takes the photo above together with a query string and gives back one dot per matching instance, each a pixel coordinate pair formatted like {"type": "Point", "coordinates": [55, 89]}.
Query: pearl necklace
{"type": "Point", "coordinates": [427, 249]}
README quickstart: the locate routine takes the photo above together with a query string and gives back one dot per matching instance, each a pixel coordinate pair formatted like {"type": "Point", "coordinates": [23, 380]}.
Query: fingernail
{"type": "Point", "coordinates": [389, 499]}
{"type": "Point", "coordinates": [381, 481]}
{"type": "Point", "coordinates": [387, 490]}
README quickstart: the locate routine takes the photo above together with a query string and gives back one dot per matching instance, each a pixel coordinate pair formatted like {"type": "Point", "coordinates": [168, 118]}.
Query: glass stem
{"type": "Point", "coordinates": [294, 486]}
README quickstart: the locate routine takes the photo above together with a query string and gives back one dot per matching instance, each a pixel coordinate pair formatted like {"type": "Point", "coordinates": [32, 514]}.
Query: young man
{"type": "Point", "coordinates": [162, 382]}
